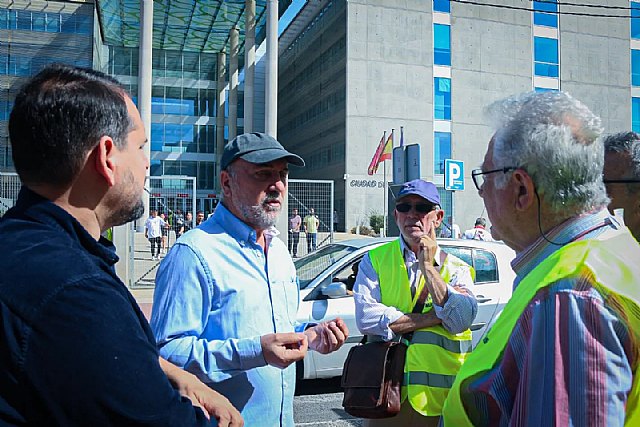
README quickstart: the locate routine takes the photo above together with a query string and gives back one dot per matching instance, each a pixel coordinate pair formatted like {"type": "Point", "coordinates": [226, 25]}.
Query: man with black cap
{"type": "Point", "coordinates": [390, 281]}
{"type": "Point", "coordinates": [226, 295]}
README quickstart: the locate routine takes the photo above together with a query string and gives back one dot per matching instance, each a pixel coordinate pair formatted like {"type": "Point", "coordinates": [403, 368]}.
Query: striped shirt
{"type": "Point", "coordinates": [567, 361]}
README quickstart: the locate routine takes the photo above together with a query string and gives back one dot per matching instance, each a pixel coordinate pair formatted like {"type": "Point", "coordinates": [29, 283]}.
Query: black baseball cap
{"type": "Point", "coordinates": [257, 148]}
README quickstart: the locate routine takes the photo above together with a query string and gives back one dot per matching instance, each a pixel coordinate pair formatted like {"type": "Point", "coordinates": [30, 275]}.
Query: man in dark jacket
{"type": "Point", "coordinates": [76, 349]}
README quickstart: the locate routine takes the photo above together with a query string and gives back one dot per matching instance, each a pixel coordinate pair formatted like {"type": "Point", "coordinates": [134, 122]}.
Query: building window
{"type": "Point", "coordinates": [441, 98]}
{"type": "Point", "coordinates": [635, 67]}
{"type": "Point", "coordinates": [441, 151]}
{"type": "Point", "coordinates": [545, 19]}
{"type": "Point", "coordinates": [441, 6]}
{"type": "Point", "coordinates": [441, 44]}
{"type": "Point", "coordinates": [446, 201]}
{"type": "Point", "coordinates": [635, 20]}
{"type": "Point", "coordinates": [546, 57]}
{"type": "Point", "coordinates": [635, 114]}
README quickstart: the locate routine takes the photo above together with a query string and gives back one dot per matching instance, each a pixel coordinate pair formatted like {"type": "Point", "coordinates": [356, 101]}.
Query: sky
{"type": "Point", "coordinates": [290, 13]}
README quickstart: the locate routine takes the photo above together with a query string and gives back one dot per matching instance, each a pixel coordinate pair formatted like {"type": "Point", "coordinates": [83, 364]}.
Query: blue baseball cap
{"type": "Point", "coordinates": [425, 189]}
{"type": "Point", "coordinates": [256, 148]}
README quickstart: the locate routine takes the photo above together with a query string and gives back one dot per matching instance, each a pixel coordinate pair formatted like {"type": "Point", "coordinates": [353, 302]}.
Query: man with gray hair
{"type": "Point", "coordinates": [622, 176]}
{"type": "Point", "coordinates": [564, 350]}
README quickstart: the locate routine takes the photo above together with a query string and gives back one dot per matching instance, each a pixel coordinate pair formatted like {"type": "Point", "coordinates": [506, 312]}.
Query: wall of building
{"type": "Point", "coordinates": [389, 74]}
{"type": "Point", "coordinates": [390, 83]}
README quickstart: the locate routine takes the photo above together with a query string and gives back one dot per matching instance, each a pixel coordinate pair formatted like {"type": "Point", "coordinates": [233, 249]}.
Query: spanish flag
{"type": "Point", "coordinates": [383, 152]}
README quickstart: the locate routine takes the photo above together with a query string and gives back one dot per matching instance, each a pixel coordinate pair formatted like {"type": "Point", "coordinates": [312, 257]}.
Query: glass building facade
{"type": "Point", "coordinates": [32, 36]}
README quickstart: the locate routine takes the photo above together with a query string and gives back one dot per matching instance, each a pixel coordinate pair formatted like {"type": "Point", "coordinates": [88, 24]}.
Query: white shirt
{"type": "Point", "coordinates": [478, 233]}
{"type": "Point", "coordinates": [154, 227]}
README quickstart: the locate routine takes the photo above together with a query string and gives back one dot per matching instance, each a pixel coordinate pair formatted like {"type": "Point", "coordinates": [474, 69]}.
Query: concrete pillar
{"type": "Point", "coordinates": [249, 62]}
{"type": "Point", "coordinates": [220, 98]}
{"type": "Point", "coordinates": [234, 36]}
{"type": "Point", "coordinates": [271, 83]}
{"type": "Point", "coordinates": [144, 83]}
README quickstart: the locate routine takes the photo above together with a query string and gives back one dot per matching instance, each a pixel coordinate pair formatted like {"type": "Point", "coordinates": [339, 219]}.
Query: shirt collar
{"type": "Point", "coordinates": [237, 228]}
{"type": "Point", "coordinates": [40, 209]}
{"type": "Point", "coordinates": [410, 256]}
{"type": "Point", "coordinates": [575, 228]}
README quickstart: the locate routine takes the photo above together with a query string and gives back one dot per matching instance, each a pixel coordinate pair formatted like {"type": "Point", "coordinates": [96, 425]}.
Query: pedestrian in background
{"type": "Point", "coordinates": [294, 232]}
{"type": "Point", "coordinates": [311, 223]}
{"type": "Point", "coordinates": [478, 232]}
{"type": "Point", "coordinates": [165, 233]}
{"type": "Point", "coordinates": [178, 223]}
{"type": "Point", "coordinates": [199, 218]}
{"type": "Point", "coordinates": [226, 295]}
{"type": "Point", "coordinates": [622, 177]}
{"type": "Point", "coordinates": [335, 220]}
{"type": "Point", "coordinates": [153, 227]}
{"type": "Point", "coordinates": [565, 348]}
{"type": "Point", "coordinates": [390, 279]}
{"type": "Point", "coordinates": [76, 349]}
{"type": "Point", "coordinates": [450, 230]}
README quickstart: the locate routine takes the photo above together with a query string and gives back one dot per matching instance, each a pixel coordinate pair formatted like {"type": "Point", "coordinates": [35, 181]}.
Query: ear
{"type": "Point", "coordinates": [225, 184]}
{"type": "Point", "coordinates": [439, 217]}
{"type": "Point", "coordinates": [523, 189]}
{"type": "Point", "coordinates": [104, 159]}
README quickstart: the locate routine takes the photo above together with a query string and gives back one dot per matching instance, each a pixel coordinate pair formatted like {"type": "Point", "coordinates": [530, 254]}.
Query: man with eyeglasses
{"type": "Point", "coordinates": [565, 348]}
{"type": "Point", "coordinates": [622, 177]}
{"type": "Point", "coordinates": [389, 282]}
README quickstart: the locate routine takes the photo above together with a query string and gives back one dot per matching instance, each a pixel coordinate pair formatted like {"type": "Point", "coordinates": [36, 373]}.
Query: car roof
{"type": "Point", "coordinates": [363, 242]}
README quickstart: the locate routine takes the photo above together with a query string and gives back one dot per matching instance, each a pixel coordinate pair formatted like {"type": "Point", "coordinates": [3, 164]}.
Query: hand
{"type": "Point", "coordinates": [327, 337]}
{"type": "Point", "coordinates": [428, 246]}
{"type": "Point", "coordinates": [211, 402]}
{"type": "Point", "coordinates": [283, 349]}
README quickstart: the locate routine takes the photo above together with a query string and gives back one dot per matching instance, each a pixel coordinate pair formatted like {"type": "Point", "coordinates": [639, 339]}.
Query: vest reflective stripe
{"type": "Point", "coordinates": [613, 260]}
{"type": "Point", "coordinates": [428, 379]}
{"type": "Point", "coordinates": [435, 355]}
{"type": "Point", "coordinates": [428, 337]}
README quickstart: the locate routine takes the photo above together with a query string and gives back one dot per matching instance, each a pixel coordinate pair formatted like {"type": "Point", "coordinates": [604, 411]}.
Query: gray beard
{"type": "Point", "coordinates": [261, 217]}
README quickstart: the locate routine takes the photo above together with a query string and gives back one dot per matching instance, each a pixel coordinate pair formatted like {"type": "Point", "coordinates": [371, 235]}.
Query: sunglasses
{"type": "Point", "coordinates": [419, 207]}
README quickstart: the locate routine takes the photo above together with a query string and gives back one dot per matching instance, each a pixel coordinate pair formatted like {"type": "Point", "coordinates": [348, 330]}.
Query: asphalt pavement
{"type": "Point", "coordinates": [319, 403]}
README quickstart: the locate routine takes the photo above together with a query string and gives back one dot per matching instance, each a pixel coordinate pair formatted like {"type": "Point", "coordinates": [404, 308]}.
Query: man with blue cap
{"type": "Point", "coordinates": [226, 295]}
{"type": "Point", "coordinates": [388, 285]}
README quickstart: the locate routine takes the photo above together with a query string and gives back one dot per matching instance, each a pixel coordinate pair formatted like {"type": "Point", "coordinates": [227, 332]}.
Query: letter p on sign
{"type": "Point", "coordinates": [453, 175]}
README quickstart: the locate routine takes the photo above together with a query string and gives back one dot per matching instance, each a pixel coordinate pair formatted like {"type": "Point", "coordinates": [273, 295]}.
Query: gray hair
{"type": "Point", "coordinates": [625, 142]}
{"type": "Point", "coordinates": [555, 138]}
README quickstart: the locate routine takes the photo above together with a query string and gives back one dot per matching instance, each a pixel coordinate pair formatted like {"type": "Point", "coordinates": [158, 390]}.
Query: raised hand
{"type": "Point", "coordinates": [283, 349]}
{"type": "Point", "coordinates": [428, 246]}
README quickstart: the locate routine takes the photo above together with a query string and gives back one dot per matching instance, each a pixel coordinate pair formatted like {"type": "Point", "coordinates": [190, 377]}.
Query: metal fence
{"type": "Point", "coordinates": [173, 197]}
{"type": "Point", "coordinates": [317, 194]}
{"type": "Point", "coordinates": [9, 188]}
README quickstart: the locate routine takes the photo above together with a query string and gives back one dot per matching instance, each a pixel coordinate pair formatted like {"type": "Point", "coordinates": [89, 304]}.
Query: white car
{"type": "Point", "coordinates": [322, 298]}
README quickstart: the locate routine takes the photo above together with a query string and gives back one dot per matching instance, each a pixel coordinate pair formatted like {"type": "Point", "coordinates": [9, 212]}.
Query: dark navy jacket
{"type": "Point", "coordinates": [75, 349]}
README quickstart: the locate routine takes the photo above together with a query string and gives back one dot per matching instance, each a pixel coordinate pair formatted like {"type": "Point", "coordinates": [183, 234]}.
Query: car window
{"type": "Point", "coordinates": [485, 265]}
{"type": "Point", "coordinates": [310, 266]}
{"type": "Point", "coordinates": [460, 252]}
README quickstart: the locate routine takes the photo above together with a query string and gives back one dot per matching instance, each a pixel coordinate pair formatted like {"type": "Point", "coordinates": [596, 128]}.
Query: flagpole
{"type": "Point", "coordinates": [384, 222]}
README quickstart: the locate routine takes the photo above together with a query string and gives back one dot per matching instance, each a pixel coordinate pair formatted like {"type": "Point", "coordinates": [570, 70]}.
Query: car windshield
{"type": "Point", "coordinates": [310, 266]}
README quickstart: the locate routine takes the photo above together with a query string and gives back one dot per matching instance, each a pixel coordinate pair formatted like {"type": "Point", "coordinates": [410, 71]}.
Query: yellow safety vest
{"type": "Point", "coordinates": [614, 264]}
{"type": "Point", "coordinates": [434, 355]}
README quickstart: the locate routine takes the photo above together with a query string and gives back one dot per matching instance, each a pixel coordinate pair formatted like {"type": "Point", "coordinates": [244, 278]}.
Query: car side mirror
{"type": "Point", "coordinates": [334, 290]}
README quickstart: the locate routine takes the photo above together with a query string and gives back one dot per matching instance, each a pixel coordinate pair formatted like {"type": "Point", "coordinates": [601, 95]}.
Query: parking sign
{"type": "Point", "coordinates": [453, 175]}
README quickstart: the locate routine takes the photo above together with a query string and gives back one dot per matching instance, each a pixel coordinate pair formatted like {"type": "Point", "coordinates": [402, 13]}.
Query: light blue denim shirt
{"type": "Point", "coordinates": [216, 294]}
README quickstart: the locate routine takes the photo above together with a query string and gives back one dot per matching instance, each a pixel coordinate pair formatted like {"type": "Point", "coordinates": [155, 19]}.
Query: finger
{"type": "Point", "coordinates": [432, 231]}
{"type": "Point", "coordinates": [289, 338]}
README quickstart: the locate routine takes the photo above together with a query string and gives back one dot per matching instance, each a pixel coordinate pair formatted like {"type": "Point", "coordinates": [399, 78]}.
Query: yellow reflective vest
{"type": "Point", "coordinates": [614, 262]}
{"type": "Point", "coordinates": [434, 355]}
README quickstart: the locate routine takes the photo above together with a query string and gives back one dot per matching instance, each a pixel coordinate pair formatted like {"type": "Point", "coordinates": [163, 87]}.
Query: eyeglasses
{"type": "Point", "coordinates": [419, 207]}
{"type": "Point", "coordinates": [478, 175]}
{"type": "Point", "coordinates": [621, 181]}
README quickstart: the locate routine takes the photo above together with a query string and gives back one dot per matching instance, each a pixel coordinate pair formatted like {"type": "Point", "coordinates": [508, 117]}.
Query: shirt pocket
{"type": "Point", "coordinates": [290, 297]}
